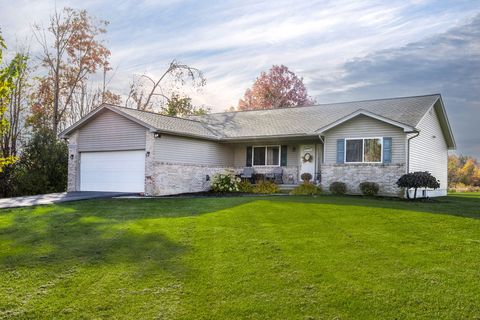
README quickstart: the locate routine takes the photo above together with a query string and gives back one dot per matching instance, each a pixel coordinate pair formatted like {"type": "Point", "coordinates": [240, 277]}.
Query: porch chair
{"type": "Point", "coordinates": [247, 174]}
{"type": "Point", "coordinates": [276, 175]}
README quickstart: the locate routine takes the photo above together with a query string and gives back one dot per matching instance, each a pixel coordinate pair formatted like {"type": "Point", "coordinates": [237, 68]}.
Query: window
{"type": "Point", "coordinates": [266, 156]}
{"type": "Point", "coordinates": [354, 150]}
{"type": "Point", "coordinates": [363, 150]}
{"type": "Point", "coordinates": [372, 150]}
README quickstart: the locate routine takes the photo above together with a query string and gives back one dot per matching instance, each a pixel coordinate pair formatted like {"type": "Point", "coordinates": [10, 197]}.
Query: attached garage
{"type": "Point", "coordinates": [121, 171]}
{"type": "Point", "coordinates": [108, 153]}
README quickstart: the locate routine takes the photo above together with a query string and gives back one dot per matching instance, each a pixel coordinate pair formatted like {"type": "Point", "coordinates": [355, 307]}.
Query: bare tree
{"type": "Point", "coordinates": [144, 89]}
{"type": "Point", "coordinates": [71, 50]}
{"type": "Point", "coordinates": [87, 97]}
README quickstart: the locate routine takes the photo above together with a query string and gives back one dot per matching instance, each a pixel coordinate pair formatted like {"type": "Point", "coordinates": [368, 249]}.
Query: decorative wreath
{"type": "Point", "coordinates": [307, 157]}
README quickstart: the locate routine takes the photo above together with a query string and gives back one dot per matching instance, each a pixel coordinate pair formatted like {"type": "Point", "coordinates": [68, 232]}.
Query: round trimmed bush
{"type": "Point", "coordinates": [338, 187]}
{"type": "Point", "coordinates": [416, 180]}
{"type": "Point", "coordinates": [369, 188]}
{"type": "Point", "coordinates": [306, 177]}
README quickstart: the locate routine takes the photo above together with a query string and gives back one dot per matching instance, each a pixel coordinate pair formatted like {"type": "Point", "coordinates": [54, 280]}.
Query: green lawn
{"type": "Point", "coordinates": [242, 258]}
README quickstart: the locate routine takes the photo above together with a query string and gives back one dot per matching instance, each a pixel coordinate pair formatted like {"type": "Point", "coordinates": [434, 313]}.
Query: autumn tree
{"type": "Point", "coordinates": [468, 171]}
{"type": "Point", "coordinates": [277, 88]}
{"type": "Point", "coordinates": [463, 170]}
{"type": "Point", "coordinates": [71, 51]}
{"type": "Point", "coordinates": [152, 94]}
{"type": "Point", "coordinates": [453, 170]}
{"type": "Point", "coordinates": [8, 78]}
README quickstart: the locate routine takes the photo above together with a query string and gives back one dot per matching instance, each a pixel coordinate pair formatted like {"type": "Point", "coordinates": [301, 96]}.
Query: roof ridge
{"type": "Point", "coordinates": [318, 105]}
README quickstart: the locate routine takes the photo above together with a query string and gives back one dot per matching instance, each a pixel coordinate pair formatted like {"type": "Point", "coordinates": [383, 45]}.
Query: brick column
{"type": "Point", "coordinates": [149, 163]}
{"type": "Point", "coordinates": [73, 164]}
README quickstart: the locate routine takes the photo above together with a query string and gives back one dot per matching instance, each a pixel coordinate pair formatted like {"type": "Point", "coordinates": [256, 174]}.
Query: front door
{"type": "Point", "coordinates": [307, 160]}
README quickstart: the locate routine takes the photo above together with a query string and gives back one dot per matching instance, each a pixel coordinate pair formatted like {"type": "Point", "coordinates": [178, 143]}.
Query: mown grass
{"type": "Point", "coordinates": [282, 257]}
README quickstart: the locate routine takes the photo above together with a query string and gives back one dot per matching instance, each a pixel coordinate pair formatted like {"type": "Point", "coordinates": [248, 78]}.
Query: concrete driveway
{"type": "Point", "coordinates": [56, 197]}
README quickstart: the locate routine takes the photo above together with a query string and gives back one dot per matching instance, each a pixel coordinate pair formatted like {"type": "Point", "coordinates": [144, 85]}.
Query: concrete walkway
{"type": "Point", "coordinates": [56, 197]}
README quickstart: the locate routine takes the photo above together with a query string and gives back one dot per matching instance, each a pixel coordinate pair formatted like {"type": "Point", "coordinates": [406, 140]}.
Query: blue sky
{"type": "Point", "coordinates": [344, 50]}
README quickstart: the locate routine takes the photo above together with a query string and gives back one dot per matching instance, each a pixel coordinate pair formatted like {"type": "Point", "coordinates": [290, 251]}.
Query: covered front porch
{"type": "Point", "coordinates": [280, 161]}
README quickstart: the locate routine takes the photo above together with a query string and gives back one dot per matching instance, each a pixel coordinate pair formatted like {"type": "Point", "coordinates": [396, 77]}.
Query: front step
{"type": "Point", "coordinates": [287, 187]}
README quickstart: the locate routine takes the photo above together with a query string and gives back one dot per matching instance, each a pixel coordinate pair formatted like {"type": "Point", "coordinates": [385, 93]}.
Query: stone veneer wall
{"type": "Point", "coordinates": [169, 178]}
{"type": "Point", "coordinates": [73, 164]}
{"type": "Point", "coordinates": [353, 174]}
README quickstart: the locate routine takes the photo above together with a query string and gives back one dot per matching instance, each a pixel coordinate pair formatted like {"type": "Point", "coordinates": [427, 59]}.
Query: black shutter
{"type": "Point", "coordinates": [248, 161]}
{"type": "Point", "coordinates": [283, 156]}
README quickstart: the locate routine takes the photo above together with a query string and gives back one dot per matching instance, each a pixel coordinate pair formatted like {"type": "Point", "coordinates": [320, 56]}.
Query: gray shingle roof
{"type": "Point", "coordinates": [298, 121]}
{"type": "Point", "coordinates": [306, 120]}
{"type": "Point", "coordinates": [163, 123]}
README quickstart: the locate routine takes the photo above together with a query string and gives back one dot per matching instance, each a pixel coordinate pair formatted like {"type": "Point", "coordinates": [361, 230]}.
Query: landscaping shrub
{"type": "Point", "coordinates": [306, 189]}
{"type": "Point", "coordinates": [265, 187]}
{"type": "Point", "coordinates": [306, 177]}
{"type": "Point", "coordinates": [245, 186]}
{"type": "Point", "coordinates": [42, 167]}
{"type": "Point", "coordinates": [338, 188]}
{"type": "Point", "coordinates": [415, 180]}
{"type": "Point", "coordinates": [369, 188]}
{"type": "Point", "coordinates": [225, 182]}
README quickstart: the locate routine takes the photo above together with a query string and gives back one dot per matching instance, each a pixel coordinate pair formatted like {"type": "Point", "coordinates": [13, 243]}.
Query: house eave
{"type": "Point", "coordinates": [183, 134]}
{"type": "Point", "coordinates": [445, 123]}
{"type": "Point", "coordinates": [271, 137]}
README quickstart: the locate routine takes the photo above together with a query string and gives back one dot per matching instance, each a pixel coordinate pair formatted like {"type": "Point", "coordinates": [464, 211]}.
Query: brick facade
{"type": "Point", "coordinates": [73, 164]}
{"type": "Point", "coordinates": [353, 174]}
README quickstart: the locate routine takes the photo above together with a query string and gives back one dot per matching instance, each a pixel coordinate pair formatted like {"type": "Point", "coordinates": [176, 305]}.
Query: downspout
{"type": "Point", "coordinates": [320, 163]}
{"type": "Point", "coordinates": [408, 149]}
{"type": "Point", "coordinates": [408, 158]}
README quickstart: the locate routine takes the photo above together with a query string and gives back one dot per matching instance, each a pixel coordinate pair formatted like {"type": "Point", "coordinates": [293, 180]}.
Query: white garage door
{"type": "Point", "coordinates": [122, 171]}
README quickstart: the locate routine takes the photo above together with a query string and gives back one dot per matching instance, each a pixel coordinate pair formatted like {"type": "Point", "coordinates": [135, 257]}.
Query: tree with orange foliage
{"type": "Point", "coordinates": [463, 170]}
{"type": "Point", "coordinates": [468, 171]}
{"type": "Point", "coordinates": [71, 50]}
{"type": "Point", "coordinates": [277, 88]}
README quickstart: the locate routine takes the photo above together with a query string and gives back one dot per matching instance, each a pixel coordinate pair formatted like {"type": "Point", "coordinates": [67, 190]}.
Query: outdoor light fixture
{"type": "Point", "coordinates": [157, 135]}
{"type": "Point", "coordinates": [207, 177]}
{"type": "Point", "coordinates": [148, 154]}
{"type": "Point", "coordinates": [72, 156]}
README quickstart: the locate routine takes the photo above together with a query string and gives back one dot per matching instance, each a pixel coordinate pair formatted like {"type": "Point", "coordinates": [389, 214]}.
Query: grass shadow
{"type": "Point", "coordinates": [96, 232]}
{"type": "Point", "coordinates": [467, 206]}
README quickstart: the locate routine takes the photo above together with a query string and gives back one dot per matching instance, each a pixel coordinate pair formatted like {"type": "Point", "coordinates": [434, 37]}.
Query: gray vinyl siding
{"type": "Point", "coordinates": [175, 149]}
{"type": "Point", "coordinates": [365, 127]}
{"type": "Point", "coordinates": [108, 131]}
{"type": "Point", "coordinates": [428, 151]}
{"type": "Point", "coordinates": [240, 153]}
